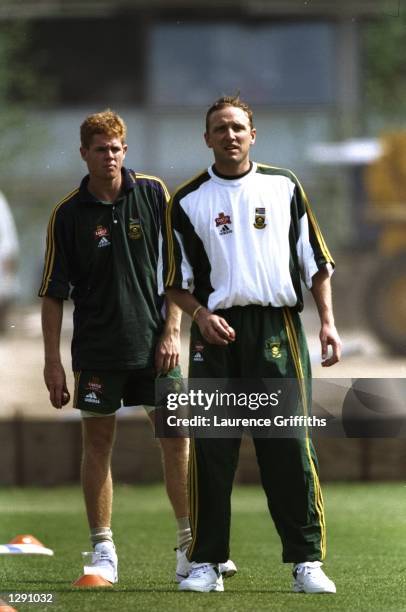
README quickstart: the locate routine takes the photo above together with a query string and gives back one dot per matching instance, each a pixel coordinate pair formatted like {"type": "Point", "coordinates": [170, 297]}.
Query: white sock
{"type": "Point", "coordinates": [101, 534]}
{"type": "Point", "coordinates": [184, 533]}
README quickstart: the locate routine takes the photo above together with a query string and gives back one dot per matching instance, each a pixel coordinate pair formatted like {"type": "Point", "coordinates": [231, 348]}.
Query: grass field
{"type": "Point", "coordinates": [366, 539]}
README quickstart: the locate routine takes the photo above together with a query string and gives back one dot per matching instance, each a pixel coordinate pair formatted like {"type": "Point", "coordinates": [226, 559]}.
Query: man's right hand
{"type": "Point", "coordinates": [55, 380]}
{"type": "Point", "coordinates": [213, 328]}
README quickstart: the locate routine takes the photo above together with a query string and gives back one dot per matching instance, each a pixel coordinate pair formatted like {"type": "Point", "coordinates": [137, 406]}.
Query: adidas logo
{"type": "Point", "coordinates": [91, 398]}
{"type": "Point", "coordinates": [197, 357]}
{"type": "Point", "coordinates": [225, 230]}
{"type": "Point", "coordinates": [103, 242]}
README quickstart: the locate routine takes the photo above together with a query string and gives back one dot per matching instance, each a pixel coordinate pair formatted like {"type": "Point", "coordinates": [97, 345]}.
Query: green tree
{"type": "Point", "coordinates": [384, 51]}
{"type": "Point", "coordinates": [21, 89]}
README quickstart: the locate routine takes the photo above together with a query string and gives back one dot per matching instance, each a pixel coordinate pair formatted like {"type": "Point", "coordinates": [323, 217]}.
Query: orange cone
{"type": "Point", "coordinates": [91, 580]}
{"type": "Point", "coordinates": [25, 539]}
{"type": "Point", "coordinates": [4, 607]}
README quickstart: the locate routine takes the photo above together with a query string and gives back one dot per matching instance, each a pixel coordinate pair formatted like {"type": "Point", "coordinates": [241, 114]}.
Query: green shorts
{"type": "Point", "coordinates": [103, 392]}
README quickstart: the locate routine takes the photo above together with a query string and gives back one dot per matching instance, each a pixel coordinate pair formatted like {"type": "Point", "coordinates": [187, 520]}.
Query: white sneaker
{"type": "Point", "coordinates": [105, 564]}
{"type": "Point", "coordinates": [310, 578]}
{"type": "Point", "coordinates": [183, 566]}
{"type": "Point", "coordinates": [228, 569]}
{"type": "Point", "coordinates": [203, 577]}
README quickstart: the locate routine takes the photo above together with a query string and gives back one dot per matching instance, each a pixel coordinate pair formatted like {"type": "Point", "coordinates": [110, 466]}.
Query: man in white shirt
{"type": "Point", "coordinates": [240, 238]}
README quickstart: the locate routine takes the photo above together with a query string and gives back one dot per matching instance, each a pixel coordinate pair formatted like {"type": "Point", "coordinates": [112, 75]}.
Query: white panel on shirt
{"type": "Point", "coordinates": [249, 265]}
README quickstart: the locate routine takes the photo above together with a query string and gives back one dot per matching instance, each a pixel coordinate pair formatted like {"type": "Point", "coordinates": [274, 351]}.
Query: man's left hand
{"type": "Point", "coordinates": [329, 337]}
{"type": "Point", "coordinates": [167, 352]}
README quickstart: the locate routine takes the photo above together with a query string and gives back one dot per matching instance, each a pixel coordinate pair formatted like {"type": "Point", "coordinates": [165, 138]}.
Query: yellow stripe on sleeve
{"type": "Point", "coordinates": [154, 178]}
{"type": "Point", "coordinates": [50, 250]}
{"type": "Point", "coordinates": [312, 220]}
{"type": "Point", "coordinates": [171, 250]}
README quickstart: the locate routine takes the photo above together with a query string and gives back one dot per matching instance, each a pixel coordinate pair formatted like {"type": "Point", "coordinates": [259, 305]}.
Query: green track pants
{"type": "Point", "coordinates": [270, 343]}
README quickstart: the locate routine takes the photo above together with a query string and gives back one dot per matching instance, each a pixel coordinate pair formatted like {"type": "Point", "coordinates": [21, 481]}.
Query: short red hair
{"type": "Point", "coordinates": [107, 122]}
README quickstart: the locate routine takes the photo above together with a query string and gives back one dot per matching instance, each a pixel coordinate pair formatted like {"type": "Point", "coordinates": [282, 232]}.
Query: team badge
{"type": "Point", "coordinates": [134, 229]}
{"type": "Point", "coordinates": [272, 349]}
{"type": "Point", "coordinates": [259, 222]}
{"type": "Point", "coordinates": [223, 222]}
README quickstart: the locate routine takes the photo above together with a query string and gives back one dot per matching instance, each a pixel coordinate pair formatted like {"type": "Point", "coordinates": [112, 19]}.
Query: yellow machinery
{"type": "Point", "coordinates": [385, 183]}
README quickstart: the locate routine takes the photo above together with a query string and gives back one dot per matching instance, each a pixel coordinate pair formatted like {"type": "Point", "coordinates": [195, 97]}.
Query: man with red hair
{"type": "Point", "coordinates": [102, 250]}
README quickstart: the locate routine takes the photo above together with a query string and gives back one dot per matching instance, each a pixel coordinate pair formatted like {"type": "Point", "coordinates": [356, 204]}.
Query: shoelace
{"type": "Point", "coordinates": [199, 571]}
{"type": "Point", "coordinates": [104, 556]}
{"type": "Point", "coordinates": [305, 569]}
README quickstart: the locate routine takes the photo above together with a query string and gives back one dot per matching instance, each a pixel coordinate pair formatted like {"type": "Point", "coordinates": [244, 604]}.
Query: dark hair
{"type": "Point", "coordinates": [229, 101]}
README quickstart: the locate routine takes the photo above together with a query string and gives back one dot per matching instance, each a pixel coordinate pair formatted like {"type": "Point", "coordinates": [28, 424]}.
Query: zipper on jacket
{"type": "Point", "coordinates": [113, 210]}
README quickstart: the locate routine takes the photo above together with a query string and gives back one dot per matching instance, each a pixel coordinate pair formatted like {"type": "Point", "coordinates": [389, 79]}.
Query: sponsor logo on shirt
{"type": "Point", "coordinates": [103, 243]}
{"type": "Point", "coordinates": [273, 348]}
{"type": "Point", "coordinates": [101, 231]}
{"type": "Point", "coordinates": [134, 229]}
{"type": "Point", "coordinates": [223, 221]}
{"type": "Point", "coordinates": [259, 222]}
{"type": "Point", "coordinates": [91, 398]}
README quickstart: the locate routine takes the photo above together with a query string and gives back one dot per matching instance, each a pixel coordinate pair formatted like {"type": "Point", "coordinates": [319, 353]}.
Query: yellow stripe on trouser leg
{"type": "Point", "coordinates": [76, 390]}
{"type": "Point", "coordinates": [192, 493]}
{"type": "Point", "coordinates": [295, 349]}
